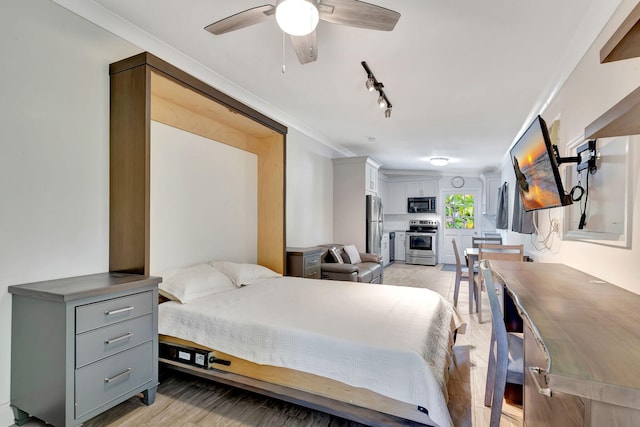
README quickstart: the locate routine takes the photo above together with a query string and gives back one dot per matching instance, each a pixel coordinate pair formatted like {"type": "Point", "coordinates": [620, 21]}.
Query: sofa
{"type": "Point", "coordinates": [369, 269]}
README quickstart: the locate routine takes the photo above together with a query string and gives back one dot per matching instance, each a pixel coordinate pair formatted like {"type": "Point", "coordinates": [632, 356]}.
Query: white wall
{"type": "Point", "coordinates": [309, 191]}
{"type": "Point", "coordinates": [54, 151]}
{"type": "Point", "coordinates": [590, 91]}
{"type": "Point", "coordinates": [204, 201]}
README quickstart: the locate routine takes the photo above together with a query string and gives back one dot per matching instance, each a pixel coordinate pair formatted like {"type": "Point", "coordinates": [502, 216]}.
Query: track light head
{"type": "Point", "coordinates": [387, 112]}
{"type": "Point", "coordinates": [381, 102]}
{"type": "Point", "coordinates": [370, 84]}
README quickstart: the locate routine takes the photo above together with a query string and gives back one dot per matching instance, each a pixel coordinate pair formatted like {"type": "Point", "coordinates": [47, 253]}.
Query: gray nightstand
{"type": "Point", "coordinates": [304, 262]}
{"type": "Point", "coordinates": [81, 345]}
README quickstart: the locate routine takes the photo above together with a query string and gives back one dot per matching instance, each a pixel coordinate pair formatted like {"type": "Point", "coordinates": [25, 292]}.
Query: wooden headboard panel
{"type": "Point", "coordinates": [145, 88]}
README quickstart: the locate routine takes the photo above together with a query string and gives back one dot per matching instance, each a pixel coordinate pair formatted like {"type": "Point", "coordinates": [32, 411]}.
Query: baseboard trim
{"type": "Point", "coordinates": [6, 415]}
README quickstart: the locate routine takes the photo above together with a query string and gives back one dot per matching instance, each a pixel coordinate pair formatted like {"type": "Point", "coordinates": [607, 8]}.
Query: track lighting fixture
{"type": "Point", "coordinates": [372, 84]}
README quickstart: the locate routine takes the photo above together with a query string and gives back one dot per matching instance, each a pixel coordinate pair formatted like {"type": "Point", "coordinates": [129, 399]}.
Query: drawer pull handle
{"type": "Point", "coordinates": [533, 373]}
{"type": "Point", "coordinates": [118, 311]}
{"type": "Point", "coordinates": [124, 337]}
{"type": "Point", "coordinates": [120, 375]}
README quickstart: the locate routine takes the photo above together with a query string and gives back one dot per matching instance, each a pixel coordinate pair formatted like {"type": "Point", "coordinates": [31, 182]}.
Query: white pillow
{"type": "Point", "coordinates": [244, 274]}
{"type": "Point", "coordinates": [195, 281]}
{"type": "Point", "coordinates": [353, 254]}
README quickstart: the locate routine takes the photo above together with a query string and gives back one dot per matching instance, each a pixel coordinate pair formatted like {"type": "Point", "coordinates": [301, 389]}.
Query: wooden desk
{"type": "Point", "coordinates": [582, 345]}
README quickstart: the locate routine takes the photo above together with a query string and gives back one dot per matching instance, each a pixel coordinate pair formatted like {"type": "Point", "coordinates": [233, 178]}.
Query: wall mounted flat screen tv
{"type": "Point", "coordinates": [537, 176]}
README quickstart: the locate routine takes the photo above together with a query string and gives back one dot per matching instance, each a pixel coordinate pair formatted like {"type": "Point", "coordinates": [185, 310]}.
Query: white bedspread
{"type": "Point", "coordinates": [392, 340]}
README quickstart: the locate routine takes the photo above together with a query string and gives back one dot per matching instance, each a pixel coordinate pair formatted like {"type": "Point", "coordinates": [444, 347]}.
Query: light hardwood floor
{"type": "Point", "coordinates": [183, 400]}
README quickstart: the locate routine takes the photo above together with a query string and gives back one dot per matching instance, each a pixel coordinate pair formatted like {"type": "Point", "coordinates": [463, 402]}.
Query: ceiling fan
{"type": "Point", "coordinates": [299, 19]}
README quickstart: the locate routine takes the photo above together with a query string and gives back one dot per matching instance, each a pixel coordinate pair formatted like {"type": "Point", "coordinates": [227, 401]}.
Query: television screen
{"type": "Point", "coordinates": [537, 176]}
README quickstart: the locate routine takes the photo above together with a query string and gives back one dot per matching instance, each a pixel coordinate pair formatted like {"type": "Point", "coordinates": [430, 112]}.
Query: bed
{"type": "Point", "coordinates": [376, 354]}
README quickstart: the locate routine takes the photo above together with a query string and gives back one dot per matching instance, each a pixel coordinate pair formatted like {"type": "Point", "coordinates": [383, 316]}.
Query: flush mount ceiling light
{"type": "Point", "coordinates": [297, 17]}
{"type": "Point", "coordinates": [439, 161]}
{"type": "Point", "coordinates": [372, 84]}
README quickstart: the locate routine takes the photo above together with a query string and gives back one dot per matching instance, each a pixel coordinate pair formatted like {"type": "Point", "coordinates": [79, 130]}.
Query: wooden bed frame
{"type": "Point", "coordinates": [301, 388]}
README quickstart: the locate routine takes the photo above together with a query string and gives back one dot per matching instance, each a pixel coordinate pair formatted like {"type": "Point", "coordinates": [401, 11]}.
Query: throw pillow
{"type": "Point", "coordinates": [336, 256]}
{"type": "Point", "coordinates": [245, 274]}
{"type": "Point", "coordinates": [195, 281]}
{"type": "Point", "coordinates": [353, 254]}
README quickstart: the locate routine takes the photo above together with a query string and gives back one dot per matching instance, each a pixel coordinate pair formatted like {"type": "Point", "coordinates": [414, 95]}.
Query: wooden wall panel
{"type": "Point", "coordinates": [271, 203]}
{"type": "Point", "coordinates": [143, 88]}
{"type": "Point", "coordinates": [129, 172]}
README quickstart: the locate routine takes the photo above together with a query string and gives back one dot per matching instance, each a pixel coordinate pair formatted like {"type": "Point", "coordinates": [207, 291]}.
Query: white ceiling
{"type": "Point", "coordinates": [464, 76]}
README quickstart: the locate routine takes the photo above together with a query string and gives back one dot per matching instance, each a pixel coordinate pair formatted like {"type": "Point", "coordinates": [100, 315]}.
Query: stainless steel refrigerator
{"type": "Point", "coordinates": [374, 225]}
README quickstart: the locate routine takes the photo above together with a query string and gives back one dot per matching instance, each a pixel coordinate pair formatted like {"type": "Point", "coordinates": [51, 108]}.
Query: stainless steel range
{"type": "Point", "coordinates": [422, 238]}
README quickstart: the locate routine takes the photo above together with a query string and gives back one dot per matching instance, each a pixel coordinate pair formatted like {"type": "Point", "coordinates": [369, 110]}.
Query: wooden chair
{"type": "Point", "coordinates": [498, 253]}
{"type": "Point", "coordinates": [462, 273]}
{"type": "Point", "coordinates": [493, 240]}
{"type": "Point", "coordinates": [506, 356]}
{"type": "Point", "coordinates": [477, 241]}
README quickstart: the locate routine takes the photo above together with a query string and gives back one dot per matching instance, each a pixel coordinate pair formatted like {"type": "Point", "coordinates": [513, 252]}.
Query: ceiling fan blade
{"type": "Point", "coordinates": [242, 19]}
{"type": "Point", "coordinates": [306, 47]}
{"type": "Point", "coordinates": [359, 14]}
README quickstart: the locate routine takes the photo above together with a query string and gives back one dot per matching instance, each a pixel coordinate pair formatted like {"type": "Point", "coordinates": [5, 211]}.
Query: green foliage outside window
{"type": "Point", "coordinates": [459, 211]}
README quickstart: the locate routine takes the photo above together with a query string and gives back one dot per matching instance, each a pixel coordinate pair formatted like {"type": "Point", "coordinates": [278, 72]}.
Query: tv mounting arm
{"type": "Point", "coordinates": [589, 160]}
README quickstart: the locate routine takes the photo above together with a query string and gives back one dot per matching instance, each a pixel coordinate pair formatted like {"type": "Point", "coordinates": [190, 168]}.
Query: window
{"type": "Point", "coordinates": [459, 211]}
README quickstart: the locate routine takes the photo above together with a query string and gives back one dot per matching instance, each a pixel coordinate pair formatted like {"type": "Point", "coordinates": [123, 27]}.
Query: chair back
{"type": "Point", "coordinates": [457, 255]}
{"type": "Point", "coordinates": [499, 333]}
{"type": "Point", "coordinates": [501, 252]}
{"type": "Point", "coordinates": [477, 241]}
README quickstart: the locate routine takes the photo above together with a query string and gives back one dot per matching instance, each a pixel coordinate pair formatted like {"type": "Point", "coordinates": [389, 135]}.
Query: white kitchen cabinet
{"type": "Point", "coordinates": [351, 178]}
{"type": "Point", "coordinates": [490, 186]}
{"type": "Point", "coordinates": [385, 249]}
{"type": "Point", "coordinates": [401, 236]}
{"type": "Point", "coordinates": [371, 173]}
{"type": "Point", "coordinates": [397, 198]}
{"type": "Point", "coordinates": [383, 192]}
{"type": "Point", "coordinates": [421, 188]}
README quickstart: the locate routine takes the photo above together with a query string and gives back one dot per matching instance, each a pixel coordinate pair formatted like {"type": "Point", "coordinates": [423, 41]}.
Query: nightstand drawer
{"type": "Point", "coordinates": [100, 343]}
{"type": "Point", "coordinates": [92, 316]}
{"type": "Point", "coordinates": [312, 272]}
{"type": "Point", "coordinates": [99, 383]}
{"type": "Point", "coordinates": [311, 261]}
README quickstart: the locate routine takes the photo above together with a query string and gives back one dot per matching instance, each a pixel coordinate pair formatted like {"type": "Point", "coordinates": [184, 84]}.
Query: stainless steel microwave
{"type": "Point", "coordinates": [421, 205]}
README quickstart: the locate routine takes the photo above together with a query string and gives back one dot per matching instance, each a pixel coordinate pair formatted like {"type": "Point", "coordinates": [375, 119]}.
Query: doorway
{"type": "Point", "coordinates": [460, 221]}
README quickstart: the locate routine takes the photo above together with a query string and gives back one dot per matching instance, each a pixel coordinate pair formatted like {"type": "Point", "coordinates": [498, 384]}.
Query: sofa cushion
{"type": "Point", "coordinates": [352, 253]}
{"type": "Point", "coordinates": [336, 255]}
{"type": "Point", "coordinates": [368, 271]}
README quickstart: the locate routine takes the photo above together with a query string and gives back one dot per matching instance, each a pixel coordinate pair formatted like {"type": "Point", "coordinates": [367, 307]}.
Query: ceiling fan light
{"type": "Point", "coordinates": [439, 161]}
{"type": "Point", "coordinates": [297, 17]}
